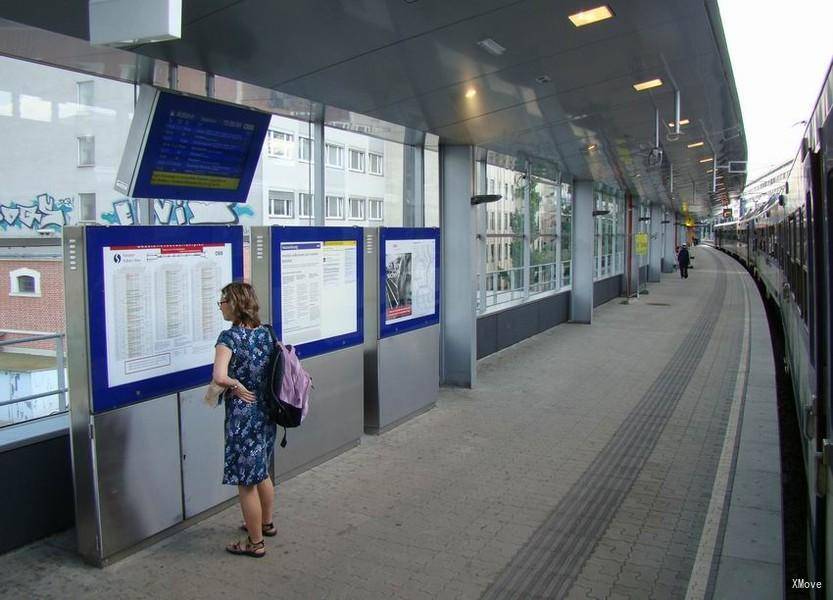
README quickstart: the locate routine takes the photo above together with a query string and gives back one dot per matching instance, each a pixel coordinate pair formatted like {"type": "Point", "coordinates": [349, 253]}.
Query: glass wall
{"type": "Point", "coordinates": [609, 223]}
{"type": "Point", "coordinates": [520, 267]}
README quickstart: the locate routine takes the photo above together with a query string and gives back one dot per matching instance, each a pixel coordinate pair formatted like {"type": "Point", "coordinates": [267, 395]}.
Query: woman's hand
{"type": "Point", "coordinates": [239, 390]}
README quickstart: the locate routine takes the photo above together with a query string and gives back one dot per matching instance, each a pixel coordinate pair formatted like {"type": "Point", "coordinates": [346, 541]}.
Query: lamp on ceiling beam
{"type": "Point", "coordinates": [128, 23]}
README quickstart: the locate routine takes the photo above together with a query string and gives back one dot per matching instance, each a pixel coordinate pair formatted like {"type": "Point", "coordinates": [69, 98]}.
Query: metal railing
{"type": "Point", "coordinates": [507, 285]}
{"type": "Point", "coordinates": [61, 390]}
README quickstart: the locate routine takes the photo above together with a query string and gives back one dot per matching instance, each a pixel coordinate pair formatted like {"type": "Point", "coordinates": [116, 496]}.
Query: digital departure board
{"type": "Point", "coordinates": [186, 148]}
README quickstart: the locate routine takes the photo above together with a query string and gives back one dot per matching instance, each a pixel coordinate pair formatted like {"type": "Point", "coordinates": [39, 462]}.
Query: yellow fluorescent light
{"type": "Point", "coordinates": [588, 17]}
{"type": "Point", "coordinates": [705, 160]}
{"type": "Point", "coordinates": [647, 85]}
{"type": "Point", "coordinates": [471, 93]}
{"type": "Point", "coordinates": [710, 170]}
{"type": "Point", "coordinates": [682, 122]}
{"type": "Point", "coordinates": [695, 145]}
{"type": "Point", "coordinates": [591, 147]}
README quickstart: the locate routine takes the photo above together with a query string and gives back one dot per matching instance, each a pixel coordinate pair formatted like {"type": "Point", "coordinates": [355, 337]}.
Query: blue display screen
{"type": "Point", "coordinates": [151, 308]}
{"type": "Point", "coordinates": [317, 287]}
{"type": "Point", "coordinates": [200, 150]}
{"type": "Point", "coordinates": [409, 279]}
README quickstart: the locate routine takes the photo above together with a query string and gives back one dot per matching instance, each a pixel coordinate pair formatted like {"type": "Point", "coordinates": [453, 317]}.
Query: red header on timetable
{"type": "Point", "coordinates": [171, 248]}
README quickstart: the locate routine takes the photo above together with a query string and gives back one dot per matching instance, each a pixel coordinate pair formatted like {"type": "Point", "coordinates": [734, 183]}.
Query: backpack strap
{"type": "Point", "coordinates": [277, 346]}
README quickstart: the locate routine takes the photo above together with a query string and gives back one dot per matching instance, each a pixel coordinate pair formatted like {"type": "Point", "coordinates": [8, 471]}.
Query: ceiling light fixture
{"type": "Point", "coordinates": [647, 85]}
{"type": "Point", "coordinates": [682, 122]}
{"type": "Point", "coordinates": [593, 15]}
{"type": "Point", "coordinates": [709, 170]}
{"type": "Point", "coordinates": [705, 160]}
{"type": "Point", "coordinates": [491, 46]}
{"type": "Point", "coordinates": [591, 147]}
{"type": "Point", "coordinates": [695, 145]}
{"type": "Point", "coordinates": [471, 93]}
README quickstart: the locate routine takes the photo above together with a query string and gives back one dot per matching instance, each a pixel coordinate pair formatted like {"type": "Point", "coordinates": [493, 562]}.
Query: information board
{"type": "Point", "coordinates": [409, 273]}
{"type": "Point", "coordinates": [642, 244]}
{"type": "Point", "coordinates": [153, 311]}
{"type": "Point", "coordinates": [317, 287]}
{"type": "Point", "coordinates": [186, 148]}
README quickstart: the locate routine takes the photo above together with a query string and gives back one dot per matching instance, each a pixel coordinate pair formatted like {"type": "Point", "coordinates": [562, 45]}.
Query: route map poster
{"type": "Point", "coordinates": [161, 307]}
{"type": "Point", "coordinates": [318, 290]}
{"type": "Point", "coordinates": [410, 279]}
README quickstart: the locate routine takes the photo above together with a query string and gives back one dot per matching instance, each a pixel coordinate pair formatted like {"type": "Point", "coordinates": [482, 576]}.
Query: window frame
{"type": "Point", "coordinates": [381, 157]}
{"type": "Point", "coordinates": [271, 133]}
{"type": "Point", "coordinates": [327, 162]}
{"type": "Point", "coordinates": [290, 202]}
{"type": "Point", "coordinates": [301, 214]}
{"type": "Point", "coordinates": [363, 205]}
{"type": "Point", "coordinates": [358, 152]}
{"type": "Point", "coordinates": [14, 282]}
{"type": "Point", "coordinates": [310, 144]}
{"type": "Point", "coordinates": [86, 137]}
{"type": "Point", "coordinates": [339, 205]}
{"type": "Point", "coordinates": [82, 206]}
{"type": "Point", "coordinates": [380, 202]}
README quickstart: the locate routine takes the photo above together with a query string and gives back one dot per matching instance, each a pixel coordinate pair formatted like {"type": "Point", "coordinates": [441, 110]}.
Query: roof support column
{"type": "Point", "coordinates": [669, 233]}
{"type": "Point", "coordinates": [655, 244]}
{"type": "Point", "coordinates": [318, 150]}
{"type": "Point", "coordinates": [413, 182]}
{"type": "Point", "coordinates": [458, 228]}
{"type": "Point", "coordinates": [583, 232]}
{"type": "Point", "coordinates": [631, 257]}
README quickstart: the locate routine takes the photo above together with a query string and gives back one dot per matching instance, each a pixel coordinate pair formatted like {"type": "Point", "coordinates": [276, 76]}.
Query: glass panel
{"type": "Point", "coordinates": [566, 234]}
{"type": "Point", "coordinates": [432, 188]}
{"type": "Point", "coordinates": [281, 204]}
{"type": "Point", "coordinates": [543, 274]}
{"type": "Point", "coordinates": [504, 278]}
{"type": "Point", "coordinates": [285, 174]}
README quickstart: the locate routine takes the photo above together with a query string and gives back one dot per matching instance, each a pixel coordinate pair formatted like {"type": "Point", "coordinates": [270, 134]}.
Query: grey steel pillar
{"type": "Point", "coordinates": [668, 233]}
{"type": "Point", "coordinates": [632, 258]}
{"type": "Point", "coordinates": [581, 298]}
{"type": "Point", "coordinates": [318, 152]}
{"type": "Point", "coordinates": [458, 245]}
{"type": "Point", "coordinates": [413, 182]}
{"type": "Point", "coordinates": [655, 244]}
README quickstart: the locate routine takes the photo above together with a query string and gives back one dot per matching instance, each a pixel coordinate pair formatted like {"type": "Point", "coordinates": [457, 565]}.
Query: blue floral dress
{"type": "Point", "coordinates": [250, 437]}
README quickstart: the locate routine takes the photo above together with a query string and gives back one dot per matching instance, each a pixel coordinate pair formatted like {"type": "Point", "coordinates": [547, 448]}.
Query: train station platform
{"type": "Point", "coordinates": [634, 458]}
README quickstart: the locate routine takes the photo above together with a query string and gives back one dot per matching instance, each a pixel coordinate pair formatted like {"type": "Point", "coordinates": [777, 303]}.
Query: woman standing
{"type": "Point", "coordinates": [241, 355]}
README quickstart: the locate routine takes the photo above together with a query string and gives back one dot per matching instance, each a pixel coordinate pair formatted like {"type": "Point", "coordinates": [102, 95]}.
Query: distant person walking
{"type": "Point", "coordinates": [241, 355]}
{"type": "Point", "coordinates": [683, 260]}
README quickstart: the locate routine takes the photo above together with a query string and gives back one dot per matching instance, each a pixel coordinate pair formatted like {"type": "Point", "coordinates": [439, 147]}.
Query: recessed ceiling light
{"type": "Point", "coordinates": [471, 93]}
{"type": "Point", "coordinates": [491, 46]}
{"type": "Point", "coordinates": [705, 160]}
{"type": "Point", "coordinates": [709, 170]}
{"type": "Point", "coordinates": [593, 15]}
{"type": "Point", "coordinates": [647, 85]}
{"type": "Point", "coordinates": [591, 147]}
{"type": "Point", "coordinates": [682, 122]}
{"type": "Point", "coordinates": [695, 145]}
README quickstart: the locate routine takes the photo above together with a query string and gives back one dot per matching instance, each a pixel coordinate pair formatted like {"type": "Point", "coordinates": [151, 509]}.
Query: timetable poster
{"type": "Point", "coordinates": [410, 279]}
{"type": "Point", "coordinates": [161, 307]}
{"type": "Point", "coordinates": [318, 290]}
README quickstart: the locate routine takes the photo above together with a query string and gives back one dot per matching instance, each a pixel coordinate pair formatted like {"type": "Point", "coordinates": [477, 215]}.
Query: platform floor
{"type": "Point", "coordinates": [634, 458]}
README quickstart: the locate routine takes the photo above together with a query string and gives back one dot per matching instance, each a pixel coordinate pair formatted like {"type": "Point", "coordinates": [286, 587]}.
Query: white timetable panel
{"type": "Point", "coordinates": [161, 307]}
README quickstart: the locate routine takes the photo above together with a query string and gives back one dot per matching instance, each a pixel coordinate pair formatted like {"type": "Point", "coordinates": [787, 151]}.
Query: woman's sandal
{"type": "Point", "coordinates": [269, 529]}
{"type": "Point", "coordinates": [257, 550]}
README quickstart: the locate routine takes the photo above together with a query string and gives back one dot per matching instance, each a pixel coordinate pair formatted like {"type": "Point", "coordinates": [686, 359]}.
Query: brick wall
{"type": "Point", "coordinates": [24, 313]}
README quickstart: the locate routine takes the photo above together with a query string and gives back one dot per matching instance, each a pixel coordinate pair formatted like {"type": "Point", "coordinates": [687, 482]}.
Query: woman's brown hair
{"type": "Point", "coordinates": [243, 303]}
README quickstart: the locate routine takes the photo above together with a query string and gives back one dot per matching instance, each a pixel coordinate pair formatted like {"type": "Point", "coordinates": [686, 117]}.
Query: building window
{"type": "Point", "coordinates": [306, 206]}
{"type": "Point", "coordinates": [376, 167]}
{"type": "Point", "coordinates": [86, 206]}
{"type": "Point", "coordinates": [356, 208]}
{"type": "Point", "coordinates": [86, 93]}
{"type": "Point", "coordinates": [335, 207]}
{"type": "Point", "coordinates": [279, 144]}
{"type": "Point", "coordinates": [86, 151]}
{"type": "Point", "coordinates": [281, 203]}
{"type": "Point", "coordinates": [24, 282]}
{"type": "Point", "coordinates": [335, 156]}
{"type": "Point", "coordinates": [305, 149]}
{"type": "Point", "coordinates": [356, 160]}
{"type": "Point", "coordinates": [376, 209]}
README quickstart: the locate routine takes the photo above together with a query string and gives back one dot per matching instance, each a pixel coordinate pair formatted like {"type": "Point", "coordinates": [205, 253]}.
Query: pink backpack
{"type": "Point", "coordinates": [287, 387]}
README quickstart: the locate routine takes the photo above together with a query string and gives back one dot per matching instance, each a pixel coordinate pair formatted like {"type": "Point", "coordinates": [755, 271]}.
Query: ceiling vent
{"type": "Point", "coordinates": [543, 79]}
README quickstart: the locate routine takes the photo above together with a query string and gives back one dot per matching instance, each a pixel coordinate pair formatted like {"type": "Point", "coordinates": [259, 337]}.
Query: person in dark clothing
{"type": "Point", "coordinates": [683, 260]}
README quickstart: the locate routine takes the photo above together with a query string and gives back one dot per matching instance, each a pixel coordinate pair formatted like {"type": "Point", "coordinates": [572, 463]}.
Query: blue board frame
{"type": "Point", "coordinates": [103, 397]}
{"type": "Point", "coordinates": [319, 234]}
{"type": "Point", "coordinates": [407, 233]}
{"type": "Point", "coordinates": [169, 102]}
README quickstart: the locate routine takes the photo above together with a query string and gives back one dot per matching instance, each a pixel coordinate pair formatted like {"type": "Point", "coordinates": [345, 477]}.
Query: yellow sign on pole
{"type": "Point", "coordinates": [642, 244]}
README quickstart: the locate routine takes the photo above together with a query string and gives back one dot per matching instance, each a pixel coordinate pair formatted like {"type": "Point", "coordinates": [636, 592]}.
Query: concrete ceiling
{"type": "Point", "coordinates": [411, 62]}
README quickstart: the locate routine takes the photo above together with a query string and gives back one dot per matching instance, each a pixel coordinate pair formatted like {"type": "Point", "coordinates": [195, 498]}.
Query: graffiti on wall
{"type": "Point", "coordinates": [180, 212]}
{"type": "Point", "coordinates": [46, 212]}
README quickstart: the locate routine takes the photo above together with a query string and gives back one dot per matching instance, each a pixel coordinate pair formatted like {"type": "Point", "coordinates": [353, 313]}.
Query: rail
{"type": "Point", "coordinates": [61, 390]}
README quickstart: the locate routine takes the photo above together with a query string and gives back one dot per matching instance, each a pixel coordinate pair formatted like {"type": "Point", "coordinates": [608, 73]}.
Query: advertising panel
{"type": "Point", "coordinates": [409, 274]}
{"type": "Point", "coordinates": [642, 244]}
{"type": "Point", "coordinates": [153, 310]}
{"type": "Point", "coordinates": [317, 286]}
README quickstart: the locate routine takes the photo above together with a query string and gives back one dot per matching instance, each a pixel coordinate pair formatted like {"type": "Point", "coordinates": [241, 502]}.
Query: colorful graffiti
{"type": "Point", "coordinates": [180, 212]}
{"type": "Point", "coordinates": [45, 212]}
